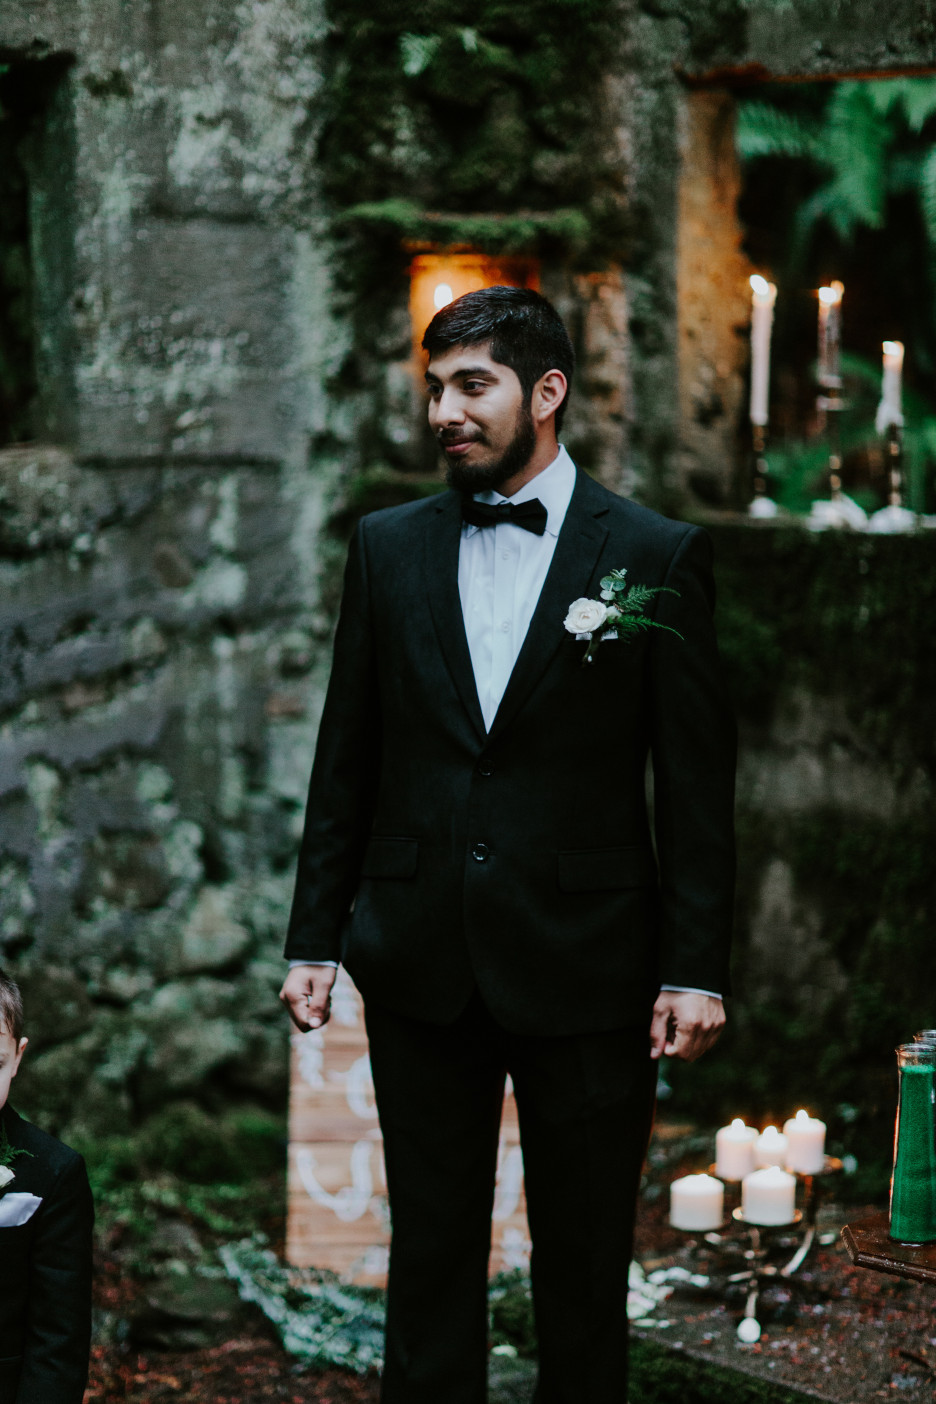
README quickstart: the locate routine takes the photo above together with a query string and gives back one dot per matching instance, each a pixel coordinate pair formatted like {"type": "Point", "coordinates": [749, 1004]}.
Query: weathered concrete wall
{"type": "Point", "coordinates": [161, 673]}
{"type": "Point", "coordinates": [161, 565]}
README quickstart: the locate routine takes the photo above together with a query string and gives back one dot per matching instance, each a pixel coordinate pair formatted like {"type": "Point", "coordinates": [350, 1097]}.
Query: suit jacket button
{"type": "Point", "coordinates": [485, 767]}
{"type": "Point", "coordinates": [480, 853]}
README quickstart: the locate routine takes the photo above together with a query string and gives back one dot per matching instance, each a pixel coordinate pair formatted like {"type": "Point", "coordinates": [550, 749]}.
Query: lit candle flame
{"type": "Point", "coordinates": [831, 294]}
{"type": "Point", "coordinates": [442, 296]}
{"type": "Point", "coordinates": [759, 285]}
{"type": "Point", "coordinates": [802, 1115]}
{"type": "Point", "coordinates": [893, 348]}
{"type": "Point", "coordinates": [738, 1124]}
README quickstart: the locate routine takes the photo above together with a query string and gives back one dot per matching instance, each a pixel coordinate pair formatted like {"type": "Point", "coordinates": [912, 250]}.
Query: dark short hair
{"type": "Point", "coordinates": [11, 1008]}
{"type": "Point", "coordinates": [524, 330]}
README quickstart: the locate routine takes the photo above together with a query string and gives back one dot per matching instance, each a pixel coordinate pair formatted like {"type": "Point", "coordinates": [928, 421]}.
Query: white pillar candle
{"type": "Point", "coordinates": [805, 1143]}
{"type": "Point", "coordinates": [768, 1196]}
{"type": "Point", "coordinates": [890, 410]}
{"type": "Point", "coordinates": [763, 297]}
{"type": "Point", "coordinates": [830, 334]}
{"type": "Point", "coordinates": [734, 1150]}
{"type": "Point", "coordinates": [770, 1148]}
{"type": "Point", "coordinates": [697, 1202]}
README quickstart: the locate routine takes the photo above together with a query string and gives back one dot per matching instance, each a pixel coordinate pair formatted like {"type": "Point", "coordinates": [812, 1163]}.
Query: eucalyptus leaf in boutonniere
{"type": "Point", "coordinates": [8, 1153]}
{"type": "Point", "coordinates": [621, 613]}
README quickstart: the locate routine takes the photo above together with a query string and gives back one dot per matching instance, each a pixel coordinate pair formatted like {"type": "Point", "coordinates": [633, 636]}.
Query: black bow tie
{"type": "Point", "coordinates": [530, 515]}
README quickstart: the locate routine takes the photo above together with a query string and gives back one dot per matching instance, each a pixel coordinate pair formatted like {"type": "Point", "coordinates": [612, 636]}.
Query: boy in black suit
{"type": "Point", "coordinates": [46, 1218]}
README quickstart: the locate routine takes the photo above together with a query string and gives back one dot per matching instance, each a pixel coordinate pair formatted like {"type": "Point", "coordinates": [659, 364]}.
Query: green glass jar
{"type": "Point", "coordinates": [913, 1186]}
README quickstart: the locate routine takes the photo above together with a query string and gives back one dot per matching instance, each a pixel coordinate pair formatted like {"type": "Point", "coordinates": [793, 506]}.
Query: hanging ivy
{"type": "Point", "coordinates": [485, 124]}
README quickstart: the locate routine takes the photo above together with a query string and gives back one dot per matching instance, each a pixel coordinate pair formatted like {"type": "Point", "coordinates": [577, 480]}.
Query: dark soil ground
{"type": "Point", "coordinates": [834, 1333]}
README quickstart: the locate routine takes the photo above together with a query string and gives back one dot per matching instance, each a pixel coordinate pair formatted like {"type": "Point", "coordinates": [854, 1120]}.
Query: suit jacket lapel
{"type": "Point", "coordinates": [441, 562]}
{"type": "Point", "coordinates": [577, 551]}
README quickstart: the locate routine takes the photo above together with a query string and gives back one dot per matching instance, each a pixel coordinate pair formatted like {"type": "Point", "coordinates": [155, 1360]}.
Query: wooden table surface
{"type": "Point", "coordinates": [870, 1245]}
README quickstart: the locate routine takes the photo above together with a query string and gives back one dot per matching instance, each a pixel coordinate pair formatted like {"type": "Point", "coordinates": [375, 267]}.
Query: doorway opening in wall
{"type": "Point", "coordinates": [817, 184]}
{"type": "Point", "coordinates": [35, 236]}
{"type": "Point", "coordinates": [439, 277]}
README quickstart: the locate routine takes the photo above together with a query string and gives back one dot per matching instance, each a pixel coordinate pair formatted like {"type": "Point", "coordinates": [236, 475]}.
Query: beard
{"type": "Point", "coordinates": [488, 477]}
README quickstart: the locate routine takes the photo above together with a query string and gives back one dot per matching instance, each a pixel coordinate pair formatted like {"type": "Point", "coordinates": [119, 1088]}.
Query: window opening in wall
{"type": "Point", "coordinates": [438, 278]}
{"type": "Point", "coordinates": [35, 239]}
{"type": "Point", "coordinates": [838, 185]}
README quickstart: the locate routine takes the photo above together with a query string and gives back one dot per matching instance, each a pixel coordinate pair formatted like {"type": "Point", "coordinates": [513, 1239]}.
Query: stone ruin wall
{"type": "Point", "coordinates": [167, 574]}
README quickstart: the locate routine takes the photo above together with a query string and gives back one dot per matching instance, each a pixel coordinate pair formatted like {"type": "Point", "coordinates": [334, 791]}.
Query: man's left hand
{"type": "Point", "coordinates": [685, 1025]}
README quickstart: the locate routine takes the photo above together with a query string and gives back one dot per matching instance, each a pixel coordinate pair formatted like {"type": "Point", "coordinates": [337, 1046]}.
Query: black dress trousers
{"type": "Point", "coordinates": [585, 1105]}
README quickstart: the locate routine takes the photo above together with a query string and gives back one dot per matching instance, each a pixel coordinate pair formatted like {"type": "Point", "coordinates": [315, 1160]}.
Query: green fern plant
{"type": "Point", "coordinates": [861, 141]}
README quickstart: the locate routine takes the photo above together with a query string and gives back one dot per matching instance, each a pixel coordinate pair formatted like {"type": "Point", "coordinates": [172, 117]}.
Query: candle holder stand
{"type": "Point", "coordinates": [830, 404]}
{"type": "Point", "coordinates": [761, 504]}
{"type": "Point", "coordinates": [894, 459]}
{"type": "Point", "coordinates": [749, 1253]}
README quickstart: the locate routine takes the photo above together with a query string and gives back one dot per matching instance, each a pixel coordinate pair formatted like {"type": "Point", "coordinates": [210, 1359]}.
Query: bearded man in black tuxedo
{"type": "Point", "coordinates": [477, 852]}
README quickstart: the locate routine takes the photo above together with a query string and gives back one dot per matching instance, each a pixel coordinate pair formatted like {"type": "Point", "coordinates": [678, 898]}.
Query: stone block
{"type": "Point", "coordinates": [39, 26]}
{"type": "Point", "coordinates": [126, 870]}
{"type": "Point", "coordinates": [211, 938]}
{"type": "Point", "coordinates": [185, 1312]}
{"type": "Point", "coordinates": [194, 356]}
{"type": "Point", "coordinates": [58, 1007]}
{"type": "Point", "coordinates": [46, 501]}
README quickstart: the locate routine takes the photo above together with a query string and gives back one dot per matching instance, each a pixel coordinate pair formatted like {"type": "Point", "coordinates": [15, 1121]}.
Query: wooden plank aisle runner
{"type": "Point", "coordinates": [338, 1215]}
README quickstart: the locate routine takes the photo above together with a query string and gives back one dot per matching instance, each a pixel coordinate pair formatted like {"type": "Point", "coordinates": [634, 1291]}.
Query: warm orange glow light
{"type": "Point", "coordinates": [436, 279]}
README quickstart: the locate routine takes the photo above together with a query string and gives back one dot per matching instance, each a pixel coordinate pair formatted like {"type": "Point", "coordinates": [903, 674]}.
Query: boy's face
{"type": "Point", "coordinates": [11, 1054]}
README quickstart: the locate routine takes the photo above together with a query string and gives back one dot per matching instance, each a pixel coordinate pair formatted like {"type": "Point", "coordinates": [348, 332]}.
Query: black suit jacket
{"type": "Point", "coordinates": [45, 1273]}
{"type": "Point", "coordinates": [521, 860]}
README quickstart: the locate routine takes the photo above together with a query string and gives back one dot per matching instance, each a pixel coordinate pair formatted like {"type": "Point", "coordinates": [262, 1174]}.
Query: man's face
{"type": "Point", "coordinates": [478, 413]}
{"type": "Point", "coordinates": [11, 1053]}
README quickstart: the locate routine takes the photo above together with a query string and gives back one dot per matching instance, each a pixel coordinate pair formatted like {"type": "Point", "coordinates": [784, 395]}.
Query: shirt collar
{"type": "Point", "coordinates": [553, 486]}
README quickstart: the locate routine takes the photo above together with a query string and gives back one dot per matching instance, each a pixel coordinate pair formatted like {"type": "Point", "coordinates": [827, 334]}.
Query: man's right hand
{"type": "Point", "coordinates": [306, 993]}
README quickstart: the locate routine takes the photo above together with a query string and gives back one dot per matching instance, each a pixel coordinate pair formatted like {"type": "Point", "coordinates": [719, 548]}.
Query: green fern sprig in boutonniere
{"type": "Point", "coordinates": [621, 613]}
{"type": "Point", "coordinates": [8, 1153]}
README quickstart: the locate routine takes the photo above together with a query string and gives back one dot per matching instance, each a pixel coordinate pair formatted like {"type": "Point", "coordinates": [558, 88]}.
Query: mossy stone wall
{"type": "Point", "coordinates": [829, 641]}
{"type": "Point", "coordinates": [219, 298]}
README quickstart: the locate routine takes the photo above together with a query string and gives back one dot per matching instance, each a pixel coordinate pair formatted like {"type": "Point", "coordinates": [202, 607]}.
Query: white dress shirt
{"type": "Point", "coordinates": [501, 572]}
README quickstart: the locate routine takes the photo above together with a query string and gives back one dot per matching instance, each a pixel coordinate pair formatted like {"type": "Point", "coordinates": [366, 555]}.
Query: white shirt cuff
{"type": "Point", "coordinates": [688, 989]}
{"type": "Point", "coordinates": [332, 963]}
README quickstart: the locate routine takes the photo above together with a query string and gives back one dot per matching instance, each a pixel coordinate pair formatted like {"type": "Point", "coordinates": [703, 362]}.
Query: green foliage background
{"type": "Point", "coordinates": [435, 112]}
{"type": "Point", "coordinates": [840, 182]}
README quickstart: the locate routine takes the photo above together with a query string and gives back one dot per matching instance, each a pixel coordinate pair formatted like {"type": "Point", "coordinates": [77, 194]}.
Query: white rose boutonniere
{"type": "Point", "coordinates": [621, 613]}
{"type": "Point", "coordinates": [585, 616]}
{"type": "Point", "coordinates": [8, 1154]}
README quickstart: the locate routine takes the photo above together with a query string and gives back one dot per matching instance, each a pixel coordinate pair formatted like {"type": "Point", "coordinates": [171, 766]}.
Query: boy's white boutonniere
{"type": "Point", "coordinates": [619, 614]}
{"type": "Point", "coordinates": [8, 1153]}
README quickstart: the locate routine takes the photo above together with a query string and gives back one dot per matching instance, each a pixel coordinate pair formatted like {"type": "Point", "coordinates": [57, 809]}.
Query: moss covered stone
{"type": "Point", "coordinates": [829, 643]}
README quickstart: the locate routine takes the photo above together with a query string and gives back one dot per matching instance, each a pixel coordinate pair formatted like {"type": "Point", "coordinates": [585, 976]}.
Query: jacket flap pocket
{"type": "Point", "coordinates": [391, 858]}
{"type": "Point", "coordinates": [607, 869]}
